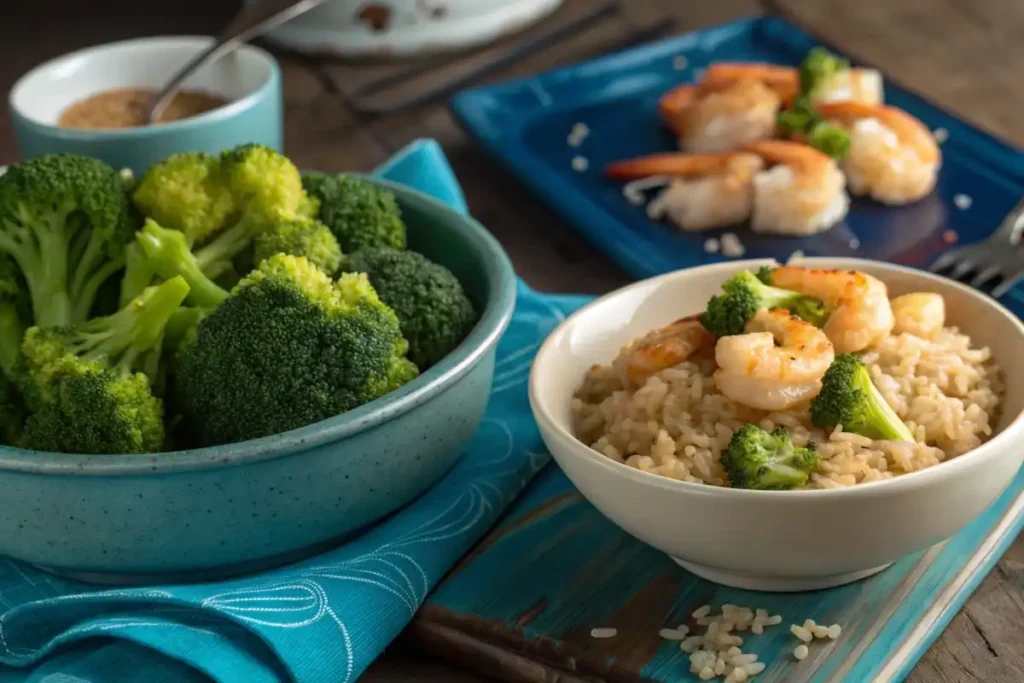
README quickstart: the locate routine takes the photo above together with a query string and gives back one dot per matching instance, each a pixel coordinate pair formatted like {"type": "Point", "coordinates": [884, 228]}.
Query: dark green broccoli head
{"type": "Point", "coordinates": [433, 309]}
{"type": "Point", "coordinates": [756, 459]}
{"type": "Point", "coordinates": [849, 398]}
{"type": "Point", "coordinates": [359, 213]}
{"type": "Point", "coordinates": [88, 387]}
{"type": "Point", "coordinates": [299, 236]}
{"type": "Point", "coordinates": [802, 120]}
{"type": "Point", "coordinates": [288, 348]}
{"type": "Point", "coordinates": [65, 220]}
{"type": "Point", "coordinates": [745, 294]}
{"type": "Point", "coordinates": [93, 410]}
{"type": "Point", "coordinates": [186, 192]}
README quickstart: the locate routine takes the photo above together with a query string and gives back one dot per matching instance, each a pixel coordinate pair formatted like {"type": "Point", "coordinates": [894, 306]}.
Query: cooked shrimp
{"type": "Point", "coordinates": [720, 121]}
{"type": "Point", "coordinates": [857, 85]}
{"type": "Point", "coordinates": [893, 157]}
{"type": "Point", "coordinates": [922, 314]}
{"type": "Point", "coordinates": [776, 365]}
{"type": "Point", "coordinates": [803, 194]}
{"type": "Point", "coordinates": [861, 312]}
{"type": "Point", "coordinates": [660, 349]}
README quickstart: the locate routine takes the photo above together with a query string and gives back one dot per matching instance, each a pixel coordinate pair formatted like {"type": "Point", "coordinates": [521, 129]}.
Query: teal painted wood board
{"type": "Point", "coordinates": [522, 605]}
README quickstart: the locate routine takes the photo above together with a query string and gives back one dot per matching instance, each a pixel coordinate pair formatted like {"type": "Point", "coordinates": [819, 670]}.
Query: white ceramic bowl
{"type": "Point", "coordinates": [776, 540]}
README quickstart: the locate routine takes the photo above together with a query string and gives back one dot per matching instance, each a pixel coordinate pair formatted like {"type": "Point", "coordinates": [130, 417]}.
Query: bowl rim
{"type": "Point", "coordinates": [226, 111]}
{"type": "Point", "coordinates": [494, 318]}
{"type": "Point", "coordinates": [910, 481]}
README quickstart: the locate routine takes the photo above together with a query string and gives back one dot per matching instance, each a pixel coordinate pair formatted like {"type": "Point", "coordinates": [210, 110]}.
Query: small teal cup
{"type": "Point", "coordinates": [249, 78]}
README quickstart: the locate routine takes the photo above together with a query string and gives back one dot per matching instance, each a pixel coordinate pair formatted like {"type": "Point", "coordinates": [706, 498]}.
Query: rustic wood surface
{"type": "Point", "coordinates": [963, 54]}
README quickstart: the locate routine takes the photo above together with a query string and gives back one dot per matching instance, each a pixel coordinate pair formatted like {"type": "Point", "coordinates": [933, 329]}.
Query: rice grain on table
{"type": "Point", "coordinates": [678, 424]}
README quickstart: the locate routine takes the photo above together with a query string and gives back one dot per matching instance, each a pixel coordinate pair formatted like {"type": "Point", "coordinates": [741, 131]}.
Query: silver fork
{"type": "Point", "coordinates": [998, 256]}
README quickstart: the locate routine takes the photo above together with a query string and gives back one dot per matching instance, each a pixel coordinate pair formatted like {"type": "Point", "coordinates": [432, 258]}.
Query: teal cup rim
{"type": "Point", "coordinates": [224, 112]}
{"type": "Point", "coordinates": [494, 319]}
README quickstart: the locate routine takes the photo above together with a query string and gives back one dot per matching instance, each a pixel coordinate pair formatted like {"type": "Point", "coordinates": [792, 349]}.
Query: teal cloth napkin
{"type": "Point", "coordinates": [323, 620]}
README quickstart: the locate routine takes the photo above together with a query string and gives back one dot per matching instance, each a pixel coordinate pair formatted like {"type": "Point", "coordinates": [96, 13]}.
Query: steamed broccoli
{"type": "Point", "coordinates": [300, 236]}
{"type": "Point", "coordinates": [88, 386]}
{"type": "Point", "coordinates": [434, 311]}
{"type": "Point", "coordinates": [745, 294]}
{"type": "Point", "coordinates": [219, 203]}
{"type": "Point", "coordinates": [288, 348]}
{"type": "Point", "coordinates": [802, 120]}
{"type": "Point", "coordinates": [166, 253]}
{"type": "Point", "coordinates": [65, 220]}
{"type": "Point", "coordinates": [818, 67]}
{"type": "Point", "coordinates": [359, 213]}
{"type": "Point", "coordinates": [849, 398]}
{"type": "Point", "coordinates": [756, 459]}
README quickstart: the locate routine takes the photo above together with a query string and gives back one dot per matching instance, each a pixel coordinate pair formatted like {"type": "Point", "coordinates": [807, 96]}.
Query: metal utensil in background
{"type": "Point", "coordinates": [247, 24]}
{"type": "Point", "coordinates": [997, 258]}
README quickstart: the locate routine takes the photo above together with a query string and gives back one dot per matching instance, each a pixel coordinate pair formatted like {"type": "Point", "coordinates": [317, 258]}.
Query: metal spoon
{"type": "Point", "coordinates": [247, 24]}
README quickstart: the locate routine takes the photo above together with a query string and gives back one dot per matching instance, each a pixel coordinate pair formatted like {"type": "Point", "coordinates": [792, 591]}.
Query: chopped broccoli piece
{"type": "Point", "coordinates": [300, 236]}
{"type": "Point", "coordinates": [802, 120]}
{"type": "Point", "coordinates": [756, 459]}
{"type": "Point", "coordinates": [186, 192]}
{"type": "Point", "coordinates": [818, 66]}
{"type": "Point", "coordinates": [849, 398]}
{"type": "Point", "coordinates": [744, 295]}
{"type": "Point", "coordinates": [288, 348]}
{"type": "Point", "coordinates": [264, 183]}
{"type": "Point", "coordinates": [359, 213]}
{"type": "Point", "coordinates": [167, 254]}
{"type": "Point", "coordinates": [65, 220]}
{"type": "Point", "coordinates": [88, 386]}
{"type": "Point", "coordinates": [433, 309]}
{"type": "Point", "coordinates": [764, 274]}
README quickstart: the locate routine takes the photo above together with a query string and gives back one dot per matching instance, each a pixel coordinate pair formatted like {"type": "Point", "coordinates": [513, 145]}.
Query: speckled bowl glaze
{"type": "Point", "coordinates": [205, 513]}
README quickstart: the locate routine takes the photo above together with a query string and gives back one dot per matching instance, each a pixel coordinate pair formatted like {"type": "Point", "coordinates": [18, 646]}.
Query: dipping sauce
{"type": "Point", "coordinates": [126, 108]}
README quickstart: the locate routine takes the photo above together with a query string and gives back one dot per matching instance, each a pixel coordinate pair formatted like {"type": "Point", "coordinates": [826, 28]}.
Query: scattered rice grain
{"type": "Point", "coordinates": [701, 611]}
{"type": "Point", "coordinates": [834, 631]}
{"type": "Point", "coordinates": [801, 633]}
{"type": "Point", "coordinates": [671, 634]}
{"type": "Point", "coordinates": [580, 164]}
{"type": "Point", "coordinates": [578, 134]}
{"type": "Point", "coordinates": [680, 62]}
{"type": "Point", "coordinates": [755, 668]}
{"type": "Point", "coordinates": [712, 245]}
{"type": "Point", "coordinates": [731, 246]}
{"type": "Point", "coordinates": [603, 632]}
{"type": "Point", "coordinates": [941, 135]}
{"type": "Point", "coordinates": [962, 201]}
{"type": "Point", "coordinates": [800, 651]}
{"type": "Point", "coordinates": [706, 674]}
{"type": "Point", "coordinates": [634, 190]}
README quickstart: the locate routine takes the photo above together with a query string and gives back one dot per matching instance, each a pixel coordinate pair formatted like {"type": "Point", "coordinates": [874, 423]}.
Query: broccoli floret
{"type": "Point", "coordinates": [186, 192]}
{"type": "Point", "coordinates": [756, 459]}
{"type": "Point", "coordinates": [818, 66]}
{"type": "Point", "coordinates": [264, 183]}
{"type": "Point", "coordinates": [88, 387]}
{"type": "Point", "coordinates": [849, 398]}
{"type": "Point", "coordinates": [803, 121]}
{"type": "Point", "coordinates": [744, 295]}
{"type": "Point", "coordinates": [299, 236]}
{"type": "Point", "coordinates": [167, 253]}
{"type": "Point", "coordinates": [288, 348]}
{"type": "Point", "coordinates": [359, 213]}
{"type": "Point", "coordinates": [65, 220]}
{"type": "Point", "coordinates": [432, 307]}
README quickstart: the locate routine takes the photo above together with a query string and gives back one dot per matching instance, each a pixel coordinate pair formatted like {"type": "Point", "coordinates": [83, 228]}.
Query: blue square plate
{"type": "Point", "coordinates": [524, 124]}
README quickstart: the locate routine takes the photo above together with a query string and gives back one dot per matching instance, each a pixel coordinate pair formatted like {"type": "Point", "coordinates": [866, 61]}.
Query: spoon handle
{"type": "Point", "coordinates": [250, 22]}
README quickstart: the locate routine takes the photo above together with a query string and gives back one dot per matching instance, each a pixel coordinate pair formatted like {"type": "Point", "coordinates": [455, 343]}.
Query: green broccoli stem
{"type": "Point", "coordinates": [12, 329]}
{"type": "Point", "coordinates": [41, 255]}
{"type": "Point", "coordinates": [880, 420]}
{"type": "Point", "coordinates": [168, 254]}
{"type": "Point", "coordinates": [138, 274]}
{"type": "Point", "coordinates": [133, 331]}
{"type": "Point", "coordinates": [214, 257]}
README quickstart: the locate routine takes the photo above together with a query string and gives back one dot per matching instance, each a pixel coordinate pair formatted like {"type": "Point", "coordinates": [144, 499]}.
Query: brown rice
{"type": "Point", "coordinates": [678, 423]}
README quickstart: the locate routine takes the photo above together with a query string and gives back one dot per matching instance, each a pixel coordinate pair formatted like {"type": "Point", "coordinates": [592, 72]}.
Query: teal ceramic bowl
{"type": "Point", "coordinates": [248, 78]}
{"type": "Point", "coordinates": [205, 513]}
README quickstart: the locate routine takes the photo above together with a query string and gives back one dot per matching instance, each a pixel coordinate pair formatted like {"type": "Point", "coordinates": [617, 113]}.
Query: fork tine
{"type": "Point", "coordinates": [961, 269]}
{"type": "Point", "coordinates": [1006, 284]}
{"type": "Point", "coordinates": [944, 261]}
{"type": "Point", "coordinates": [985, 275]}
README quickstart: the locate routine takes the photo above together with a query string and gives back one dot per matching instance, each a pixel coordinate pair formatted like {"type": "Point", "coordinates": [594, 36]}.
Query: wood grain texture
{"type": "Point", "coordinates": [963, 54]}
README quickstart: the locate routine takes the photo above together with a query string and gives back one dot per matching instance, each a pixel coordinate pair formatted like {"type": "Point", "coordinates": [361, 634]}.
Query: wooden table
{"type": "Point", "coordinates": [964, 54]}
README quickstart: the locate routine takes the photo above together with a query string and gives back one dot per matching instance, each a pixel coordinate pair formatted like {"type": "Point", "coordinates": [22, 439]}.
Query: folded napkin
{"type": "Point", "coordinates": [323, 620]}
